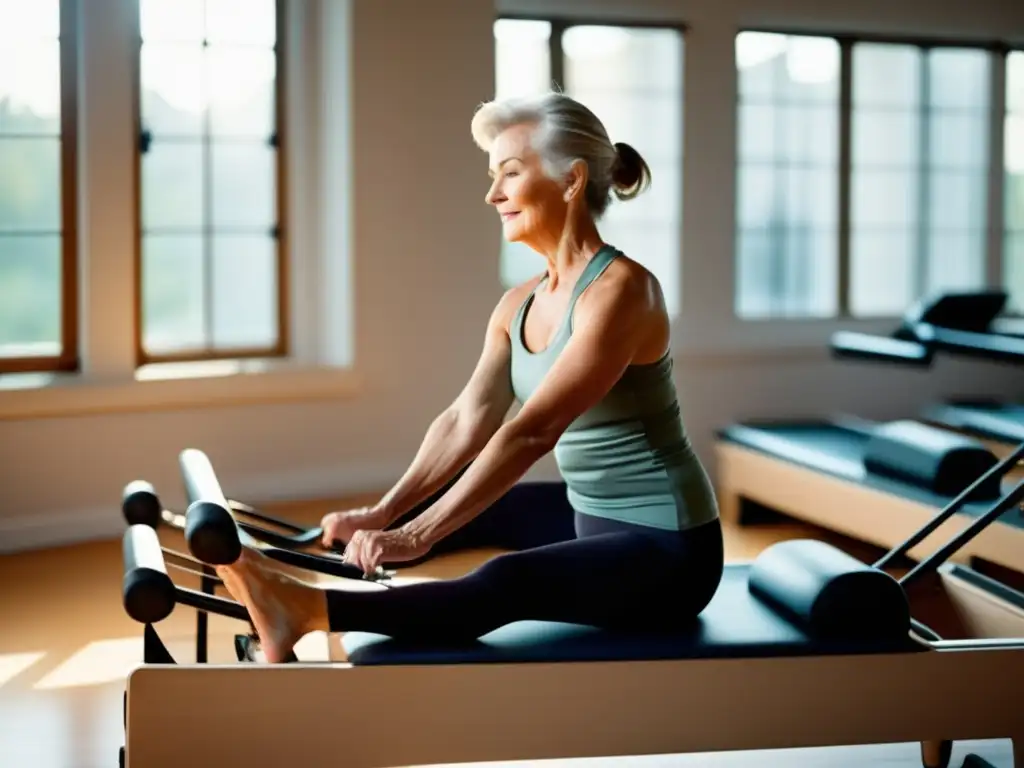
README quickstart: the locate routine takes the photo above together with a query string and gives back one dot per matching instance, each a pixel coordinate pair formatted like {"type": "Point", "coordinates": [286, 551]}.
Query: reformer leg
{"type": "Point", "coordinates": [936, 754]}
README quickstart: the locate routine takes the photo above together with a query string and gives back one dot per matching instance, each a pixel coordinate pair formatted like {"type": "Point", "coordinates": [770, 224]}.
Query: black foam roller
{"type": "Point", "coordinates": [147, 590]}
{"type": "Point", "coordinates": [212, 534]}
{"type": "Point", "coordinates": [140, 505]}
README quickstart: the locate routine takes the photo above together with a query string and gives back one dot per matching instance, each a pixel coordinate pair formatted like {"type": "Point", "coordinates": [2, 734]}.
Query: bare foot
{"type": "Point", "coordinates": [282, 608]}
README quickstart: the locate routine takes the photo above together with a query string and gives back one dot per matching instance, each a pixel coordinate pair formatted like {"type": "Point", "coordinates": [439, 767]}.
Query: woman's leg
{"type": "Point", "coordinates": [614, 579]}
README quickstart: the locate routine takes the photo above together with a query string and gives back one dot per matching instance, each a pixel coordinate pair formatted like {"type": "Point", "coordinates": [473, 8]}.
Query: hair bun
{"type": "Point", "coordinates": [630, 175]}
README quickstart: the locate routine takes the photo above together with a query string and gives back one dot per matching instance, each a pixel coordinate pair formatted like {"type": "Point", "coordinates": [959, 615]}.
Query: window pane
{"type": "Point", "coordinates": [1014, 188]}
{"type": "Point", "coordinates": [884, 199]}
{"type": "Point", "coordinates": [1013, 269]}
{"type": "Point", "coordinates": [887, 76]}
{"type": "Point", "coordinates": [605, 58]}
{"type": "Point", "coordinates": [631, 79]}
{"type": "Point", "coordinates": [523, 65]}
{"type": "Point", "coordinates": [177, 21]}
{"type": "Point", "coordinates": [244, 186]}
{"type": "Point", "coordinates": [958, 140]}
{"type": "Point", "coordinates": [172, 84]}
{"type": "Point", "coordinates": [786, 273]}
{"type": "Point", "coordinates": [172, 186]}
{"type": "Point", "coordinates": [209, 177]}
{"type": "Point", "coordinates": [956, 261]}
{"type": "Point", "coordinates": [810, 134]}
{"type": "Point", "coordinates": [30, 295]}
{"type": "Point", "coordinates": [1015, 82]}
{"type": "Point", "coordinates": [242, 97]}
{"type": "Point", "coordinates": [883, 279]}
{"type": "Point", "coordinates": [787, 69]}
{"type": "Point", "coordinates": [173, 293]}
{"type": "Point", "coordinates": [30, 185]}
{"type": "Point", "coordinates": [811, 198]}
{"type": "Point", "coordinates": [245, 22]}
{"type": "Point", "coordinates": [28, 19]}
{"type": "Point", "coordinates": [245, 292]}
{"type": "Point", "coordinates": [957, 202]}
{"type": "Point", "coordinates": [788, 132]}
{"type": "Point", "coordinates": [29, 85]}
{"type": "Point", "coordinates": [889, 139]}
{"type": "Point", "coordinates": [923, 213]}
{"type": "Point", "coordinates": [758, 132]}
{"type": "Point", "coordinates": [760, 196]}
{"type": "Point", "coordinates": [959, 77]}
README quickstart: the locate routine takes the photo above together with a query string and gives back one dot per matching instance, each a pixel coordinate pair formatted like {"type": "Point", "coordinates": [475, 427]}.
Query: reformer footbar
{"type": "Point", "coordinates": [141, 507]}
{"type": "Point", "coordinates": [803, 616]}
{"type": "Point", "coordinates": [140, 504]}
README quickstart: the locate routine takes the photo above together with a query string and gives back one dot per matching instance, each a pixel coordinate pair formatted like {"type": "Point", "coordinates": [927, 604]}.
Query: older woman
{"type": "Point", "coordinates": [584, 347]}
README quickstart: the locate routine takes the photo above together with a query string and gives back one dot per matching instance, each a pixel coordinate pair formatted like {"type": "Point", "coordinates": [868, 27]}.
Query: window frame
{"type": "Point", "coordinates": [992, 262]}
{"type": "Point", "coordinates": [68, 359]}
{"type": "Point", "coordinates": [282, 348]}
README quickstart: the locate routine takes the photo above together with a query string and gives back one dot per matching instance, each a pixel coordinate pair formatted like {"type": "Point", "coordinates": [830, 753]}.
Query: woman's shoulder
{"type": "Point", "coordinates": [626, 282]}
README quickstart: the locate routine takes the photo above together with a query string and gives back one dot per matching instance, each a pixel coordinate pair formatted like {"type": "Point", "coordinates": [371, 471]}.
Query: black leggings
{"type": "Point", "coordinates": [565, 567]}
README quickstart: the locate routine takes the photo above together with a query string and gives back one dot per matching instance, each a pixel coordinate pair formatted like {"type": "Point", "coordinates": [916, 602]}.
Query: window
{"type": "Point", "coordinates": [632, 78]}
{"type": "Point", "coordinates": [1013, 166]}
{"type": "Point", "coordinates": [919, 176]}
{"type": "Point", "coordinates": [38, 307]}
{"type": "Point", "coordinates": [788, 157]}
{"type": "Point", "coordinates": [211, 277]}
{"type": "Point", "coordinates": [862, 174]}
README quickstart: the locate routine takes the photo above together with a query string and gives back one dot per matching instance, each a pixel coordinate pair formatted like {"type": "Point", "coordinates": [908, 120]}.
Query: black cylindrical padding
{"type": "Point", "coordinates": [148, 592]}
{"type": "Point", "coordinates": [212, 534]}
{"type": "Point", "coordinates": [210, 528]}
{"type": "Point", "coordinates": [937, 460]}
{"type": "Point", "coordinates": [830, 594]}
{"type": "Point", "coordinates": [140, 505]}
{"type": "Point", "coordinates": [201, 482]}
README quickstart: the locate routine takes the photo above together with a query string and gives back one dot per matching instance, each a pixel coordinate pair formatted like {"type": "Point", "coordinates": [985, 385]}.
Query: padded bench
{"type": "Point", "coordinates": [740, 622]}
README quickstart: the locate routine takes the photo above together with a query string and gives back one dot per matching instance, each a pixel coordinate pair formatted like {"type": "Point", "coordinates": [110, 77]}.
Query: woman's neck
{"type": "Point", "coordinates": [575, 246]}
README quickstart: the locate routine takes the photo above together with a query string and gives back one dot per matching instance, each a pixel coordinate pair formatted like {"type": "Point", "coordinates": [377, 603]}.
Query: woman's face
{"type": "Point", "coordinates": [532, 206]}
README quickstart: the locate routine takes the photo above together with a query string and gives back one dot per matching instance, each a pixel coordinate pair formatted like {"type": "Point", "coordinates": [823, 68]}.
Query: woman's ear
{"type": "Point", "coordinates": [575, 180]}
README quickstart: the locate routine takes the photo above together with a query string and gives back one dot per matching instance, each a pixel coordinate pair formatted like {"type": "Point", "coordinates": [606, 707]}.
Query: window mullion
{"type": "Point", "coordinates": [845, 175]}
{"type": "Point", "coordinates": [996, 178]}
{"type": "Point", "coordinates": [924, 180]}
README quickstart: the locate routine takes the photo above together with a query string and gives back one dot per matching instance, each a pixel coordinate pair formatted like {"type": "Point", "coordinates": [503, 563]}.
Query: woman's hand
{"type": "Point", "coordinates": [340, 527]}
{"type": "Point", "coordinates": [370, 549]}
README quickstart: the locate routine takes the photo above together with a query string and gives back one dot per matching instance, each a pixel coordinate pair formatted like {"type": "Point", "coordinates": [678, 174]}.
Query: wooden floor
{"type": "Point", "coordinates": [66, 647]}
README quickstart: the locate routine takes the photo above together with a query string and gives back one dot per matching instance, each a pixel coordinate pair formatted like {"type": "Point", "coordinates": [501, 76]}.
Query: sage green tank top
{"type": "Point", "coordinates": [628, 457]}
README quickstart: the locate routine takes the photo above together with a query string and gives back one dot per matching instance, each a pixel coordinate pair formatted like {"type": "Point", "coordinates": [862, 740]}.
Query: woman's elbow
{"type": "Point", "coordinates": [531, 436]}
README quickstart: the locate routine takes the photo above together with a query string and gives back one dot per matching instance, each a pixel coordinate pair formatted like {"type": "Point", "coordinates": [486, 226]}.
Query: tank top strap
{"type": "Point", "coordinates": [516, 326]}
{"type": "Point", "coordinates": [605, 255]}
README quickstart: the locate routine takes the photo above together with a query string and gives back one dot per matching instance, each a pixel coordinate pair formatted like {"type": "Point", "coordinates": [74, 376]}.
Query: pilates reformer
{"type": "Point", "coordinates": [969, 324]}
{"type": "Point", "coordinates": [883, 480]}
{"type": "Point", "coordinates": [787, 643]}
{"type": "Point", "coordinates": [964, 323]}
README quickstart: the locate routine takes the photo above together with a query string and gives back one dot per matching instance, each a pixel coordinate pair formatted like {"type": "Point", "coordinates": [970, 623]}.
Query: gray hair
{"type": "Point", "coordinates": [566, 131]}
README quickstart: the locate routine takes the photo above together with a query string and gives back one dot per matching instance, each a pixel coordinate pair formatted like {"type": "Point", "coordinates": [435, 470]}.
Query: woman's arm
{"type": "Point", "coordinates": [458, 434]}
{"type": "Point", "coordinates": [609, 328]}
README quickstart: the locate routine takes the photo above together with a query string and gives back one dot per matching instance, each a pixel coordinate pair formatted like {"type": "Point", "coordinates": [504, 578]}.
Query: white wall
{"type": "Point", "coordinates": [423, 255]}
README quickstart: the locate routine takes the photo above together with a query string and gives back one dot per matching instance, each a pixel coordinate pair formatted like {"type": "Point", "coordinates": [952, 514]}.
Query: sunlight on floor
{"type": "Point", "coordinates": [13, 664]}
{"type": "Point", "coordinates": [103, 661]}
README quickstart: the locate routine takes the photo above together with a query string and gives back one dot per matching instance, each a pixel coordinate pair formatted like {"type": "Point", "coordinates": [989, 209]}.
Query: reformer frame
{"type": "Point", "coordinates": [334, 713]}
